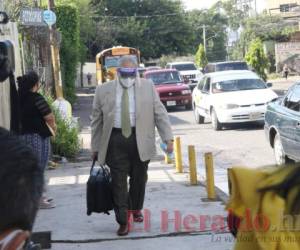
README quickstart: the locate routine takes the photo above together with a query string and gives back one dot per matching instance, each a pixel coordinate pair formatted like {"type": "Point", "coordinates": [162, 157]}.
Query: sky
{"type": "Point", "coordinates": [202, 4]}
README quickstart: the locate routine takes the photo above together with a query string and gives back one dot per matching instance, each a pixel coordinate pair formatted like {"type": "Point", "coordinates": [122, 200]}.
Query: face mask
{"type": "Point", "coordinates": [127, 82]}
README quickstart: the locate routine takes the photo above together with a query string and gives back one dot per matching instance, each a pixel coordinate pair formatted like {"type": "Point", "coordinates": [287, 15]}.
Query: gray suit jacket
{"type": "Point", "coordinates": [150, 112]}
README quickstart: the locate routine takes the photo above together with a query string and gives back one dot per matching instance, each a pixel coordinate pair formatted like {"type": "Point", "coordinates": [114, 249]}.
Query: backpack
{"type": "Point", "coordinates": [99, 192]}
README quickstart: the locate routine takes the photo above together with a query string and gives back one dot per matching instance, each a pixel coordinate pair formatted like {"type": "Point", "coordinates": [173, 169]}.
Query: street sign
{"type": "Point", "coordinates": [49, 17]}
{"type": "Point", "coordinates": [32, 17]}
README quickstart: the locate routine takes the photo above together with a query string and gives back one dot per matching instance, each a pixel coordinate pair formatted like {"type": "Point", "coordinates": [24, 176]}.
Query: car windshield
{"type": "Point", "coordinates": [113, 61]}
{"type": "Point", "coordinates": [232, 66]}
{"type": "Point", "coordinates": [238, 85]}
{"type": "Point", "coordinates": [184, 67]}
{"type": "Point", "coordinates": [164, 77]}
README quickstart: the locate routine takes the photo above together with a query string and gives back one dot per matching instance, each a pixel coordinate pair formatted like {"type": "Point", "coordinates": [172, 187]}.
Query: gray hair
{"type": "Point", "coordinates": [128, 59]}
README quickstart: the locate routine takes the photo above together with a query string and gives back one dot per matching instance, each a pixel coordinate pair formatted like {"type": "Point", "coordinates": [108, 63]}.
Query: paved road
{"type": "Point", "coordinates": [238, 145]}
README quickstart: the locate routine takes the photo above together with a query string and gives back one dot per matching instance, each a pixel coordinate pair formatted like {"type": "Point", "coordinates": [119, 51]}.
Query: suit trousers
{"type": "Point", "coordinates": [124, 161]}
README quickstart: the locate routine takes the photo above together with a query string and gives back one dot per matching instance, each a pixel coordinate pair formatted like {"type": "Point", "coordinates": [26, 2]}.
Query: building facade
{"type": "Point", "coordinates": [283, 7]}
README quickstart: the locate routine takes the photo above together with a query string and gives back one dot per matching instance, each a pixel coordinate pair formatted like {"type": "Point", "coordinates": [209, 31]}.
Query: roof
{"type": "Point", "coordinates": [114, 47]}
{"type": "Point", "coordinates": [231, 75]}
{"type": "Point", "coordinates": [177, 63]}
{"type": "Point", "coordinates": [225, 62]}
{"type": "Point", "coordinates": [159, 71]}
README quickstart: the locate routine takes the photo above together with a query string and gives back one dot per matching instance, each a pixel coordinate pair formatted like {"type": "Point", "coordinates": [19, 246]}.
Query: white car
{"type": "Point", "coordinates": [231, 97]}
{"type": "Point", "coordinates": [187, 70]}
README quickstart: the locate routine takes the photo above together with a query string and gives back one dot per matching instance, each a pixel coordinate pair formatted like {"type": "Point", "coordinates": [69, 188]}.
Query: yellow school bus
{"type": "Point", "coordinates": [107, 62]}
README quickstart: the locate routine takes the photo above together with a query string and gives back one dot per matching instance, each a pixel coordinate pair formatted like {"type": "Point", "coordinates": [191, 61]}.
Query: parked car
{"type": "Point", "coordinates": [188, 72]}
{"type": "Point", "coordinates": [282, 126]}
{"type": "Point", "coordinates": [171, 88]}
{"type": "Point", "coordinates": [153, 68]}
{"type": "Point", "coordinates": [231, 97]}
{"type": "Point", "coordinates": [224, 66]}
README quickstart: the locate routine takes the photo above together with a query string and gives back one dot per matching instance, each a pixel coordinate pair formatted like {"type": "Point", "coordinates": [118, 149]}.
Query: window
{"type": "Point", "coordinates": [210, 68]}
{"type": "Point", "coordinates": [238, 85]}
{"type": "Point", "coordinates": [292, 100]}
{"type": "Point", "coordinates": [113, 61]}
{"type": "Point", "coordinates": [231, 66]}
{"type": "Point", "coordinates": [287, 7]}
{"type": "Point", "coordinates": [206, 88]}
{"type": "Point", "coordinates": [185, 67]}
{"type": "Point", "coordinates": [168, 77]}
{"type": "Point", "coordinates": [201, 83]}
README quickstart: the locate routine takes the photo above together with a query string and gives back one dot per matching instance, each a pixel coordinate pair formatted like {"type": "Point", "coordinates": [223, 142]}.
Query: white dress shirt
{"type": "Point", "coordinates": [118, 110]}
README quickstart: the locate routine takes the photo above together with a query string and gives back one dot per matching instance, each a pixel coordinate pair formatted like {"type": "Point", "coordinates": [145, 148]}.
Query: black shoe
{"type": "Point", "coordinates": [123, 230]}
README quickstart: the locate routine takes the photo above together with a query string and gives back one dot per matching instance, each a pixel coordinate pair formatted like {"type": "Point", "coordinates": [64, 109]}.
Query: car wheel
{"type": "Point", "coordinates": [198, 118]}
{"type": "Point", "coordinates": [189, 106]}
{"type": "Point", "coordinates": [215, 121]}
{"type": "Point", "coordinates": [280, 156]}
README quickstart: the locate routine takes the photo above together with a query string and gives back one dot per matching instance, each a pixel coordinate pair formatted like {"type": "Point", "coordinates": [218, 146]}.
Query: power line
{"type": "Point", "coordinates": [139, 16]}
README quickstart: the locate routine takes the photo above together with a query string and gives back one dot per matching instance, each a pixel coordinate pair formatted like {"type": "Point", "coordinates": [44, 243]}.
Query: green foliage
{"type": "Point", "coordinates": [201, 59]}
{"type": "Point", "coordinates": [257, 59]}
{"type": "Point", "coordinates": [68, 25]}
{"type": "Point", "coordinates": [216, 34]}
{"type": "Point", "coordinates": [136, 26]}
{"type": "Point", "coordinates": [162, 62]}
{"type": "Point", "coordinates": [264, 27]}
{"type": "Point", "coordinates": [234, 14]}
{"type": "Point", "coordinates": [66, 142]}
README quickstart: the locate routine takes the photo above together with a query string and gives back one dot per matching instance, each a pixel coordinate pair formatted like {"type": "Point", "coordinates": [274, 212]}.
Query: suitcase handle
{"type": "Point", "coordinates": [102, 167]}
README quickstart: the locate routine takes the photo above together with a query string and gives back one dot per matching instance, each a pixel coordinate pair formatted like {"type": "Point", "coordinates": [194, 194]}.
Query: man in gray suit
{"type": "Point", "coordinates": [125, 114]}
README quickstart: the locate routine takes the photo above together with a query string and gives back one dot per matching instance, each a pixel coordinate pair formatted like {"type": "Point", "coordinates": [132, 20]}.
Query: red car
{"type": "Point", "coordinates": [171, 87]}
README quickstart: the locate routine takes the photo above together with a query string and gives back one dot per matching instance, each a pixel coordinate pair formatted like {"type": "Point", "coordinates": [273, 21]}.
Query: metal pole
{"type": "Point", "coordinates": [55, 57]}
{"type": "Point", "coordinates": [178, 155]}
{"type": "Point", "coordinates": [210, 179]}
{"type": "Point", "coordinates": [193, 165]}
{"type": "Point", "coordinates": [204, 37]}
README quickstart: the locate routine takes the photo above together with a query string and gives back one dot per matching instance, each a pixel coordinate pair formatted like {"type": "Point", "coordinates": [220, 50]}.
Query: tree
{"type": "Point", "coordinates": [216, 34]}
{"type": "Point", "coordinates": [201, 59]}
{"type": "Point", "coordinates": [156, 27]}
{"type": "Point", "coordinates": [264, 27]}
{"type": "Point", "coordinates": [257, 59]}
{"type": "Point", "coordinates": [68, 25]}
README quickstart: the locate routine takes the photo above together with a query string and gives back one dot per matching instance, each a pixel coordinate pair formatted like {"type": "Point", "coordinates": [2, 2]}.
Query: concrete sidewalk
{"type": "Point", "coordinates": [167, 194]}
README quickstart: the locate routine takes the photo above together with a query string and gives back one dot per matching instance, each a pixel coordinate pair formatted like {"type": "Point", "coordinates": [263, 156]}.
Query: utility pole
{"type": "Point", "coordinates": [55, 56]}
{"type": "Point", "coordinates": [204, 37]}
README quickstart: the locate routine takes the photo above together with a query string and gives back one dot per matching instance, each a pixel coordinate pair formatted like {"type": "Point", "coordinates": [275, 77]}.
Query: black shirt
{"type": "Point", "coordinates": [33, 109]}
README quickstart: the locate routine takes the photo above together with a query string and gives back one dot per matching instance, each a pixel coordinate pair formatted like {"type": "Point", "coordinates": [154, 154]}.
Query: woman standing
{"type": "Point", "coordinates": [36, 118]}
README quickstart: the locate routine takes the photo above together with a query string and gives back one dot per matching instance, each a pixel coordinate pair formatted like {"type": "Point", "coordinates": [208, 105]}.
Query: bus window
{"type": "Point", "coordinates": [107, 62]}
{"type": "Point", "coordinates": [113, 61]}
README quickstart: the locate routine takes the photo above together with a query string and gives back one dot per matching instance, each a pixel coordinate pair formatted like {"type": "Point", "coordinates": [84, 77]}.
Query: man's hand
{"type": "Point", "coordinates": [170, 147]}
{"type": "Point", "coordinates": [95, 156]}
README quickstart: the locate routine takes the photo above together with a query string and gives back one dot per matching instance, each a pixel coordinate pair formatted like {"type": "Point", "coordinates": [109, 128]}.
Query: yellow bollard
{"type": "Point", "coordinates": [178, 155]}
{"type": "Point", "coordinates": [193, 165]}
{"type": "Point", "coordinates": [210, 181]}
